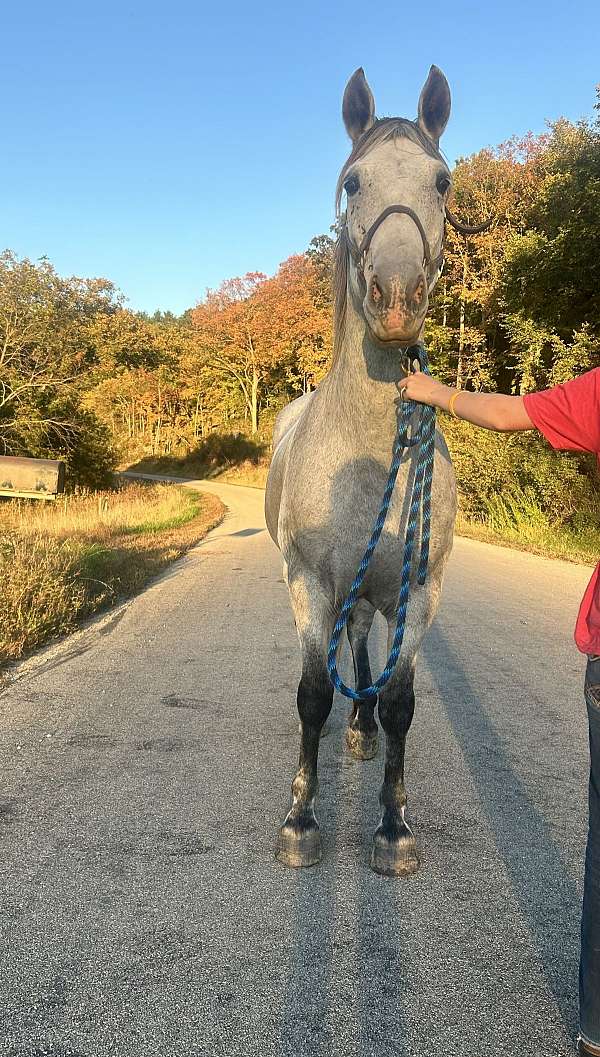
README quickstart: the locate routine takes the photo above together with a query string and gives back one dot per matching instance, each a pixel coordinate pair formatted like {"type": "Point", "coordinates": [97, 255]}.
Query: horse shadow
{"type": "Point", "coordinates": [335, 979]}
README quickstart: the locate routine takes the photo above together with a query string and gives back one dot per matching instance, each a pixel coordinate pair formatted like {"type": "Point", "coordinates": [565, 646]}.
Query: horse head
{"type": "Point", "coordinates": [396, 184]}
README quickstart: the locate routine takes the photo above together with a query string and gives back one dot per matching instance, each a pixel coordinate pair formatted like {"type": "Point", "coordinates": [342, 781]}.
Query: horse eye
{"type": "Point", "coordinates": [442, 183]}
{"type": "Point", "coordinates": [351, 185]}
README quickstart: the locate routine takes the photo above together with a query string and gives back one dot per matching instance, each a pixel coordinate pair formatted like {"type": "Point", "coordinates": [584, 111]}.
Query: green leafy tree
{"type": "Point", "coordinates": [46, 351]}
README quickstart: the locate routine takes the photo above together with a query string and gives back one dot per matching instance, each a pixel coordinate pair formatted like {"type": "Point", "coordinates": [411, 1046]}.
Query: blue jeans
{"type": "Point", "coordinates": [589, 970]}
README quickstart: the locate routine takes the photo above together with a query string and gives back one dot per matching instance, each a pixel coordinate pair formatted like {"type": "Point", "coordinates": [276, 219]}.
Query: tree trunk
{"type": "Point", "coordinates": [461, 330]}
{"type": "Point", "coordinates": [254, 400]}
{"type": "Point", "coordinates": [196, 417]}
{"type": "Point", "coordinates": [461, 347]}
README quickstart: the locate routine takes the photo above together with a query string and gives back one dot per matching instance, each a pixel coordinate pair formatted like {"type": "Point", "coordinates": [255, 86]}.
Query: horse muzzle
{"type": "Point", "coordinates": [397, 290]}
{"type": "Point", "coordinates": [395, 304]}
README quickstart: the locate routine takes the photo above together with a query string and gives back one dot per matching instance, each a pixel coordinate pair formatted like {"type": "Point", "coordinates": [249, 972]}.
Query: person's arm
{"type": "Point", "coordinates": [490, 410]}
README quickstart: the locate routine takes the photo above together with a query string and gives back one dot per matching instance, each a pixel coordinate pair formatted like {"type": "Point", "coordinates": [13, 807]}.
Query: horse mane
{"type": "Point", "coordinates": [383, 129]}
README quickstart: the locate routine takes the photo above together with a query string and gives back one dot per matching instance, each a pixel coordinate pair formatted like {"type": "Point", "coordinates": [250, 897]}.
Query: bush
{"type": "Point", "coordinates": [218, 454]}
{"type": "Point", "coordinates": [489, 465]}
{"type": "Point", "coordinates": [222, 450]}
{"type": "Point", "coordinates": [74, 435]}
{"type": "Point", "coordinates": [91, 460]}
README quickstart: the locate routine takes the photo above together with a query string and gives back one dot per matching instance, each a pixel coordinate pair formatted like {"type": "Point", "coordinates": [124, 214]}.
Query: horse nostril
{"type": "Point", "coordinates": [376, 291]}
{"type": "Point", "coordinates": [419, 292]}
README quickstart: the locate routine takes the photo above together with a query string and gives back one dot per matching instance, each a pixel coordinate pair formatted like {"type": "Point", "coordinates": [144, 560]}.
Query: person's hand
{"type": "Point", "coordinates": [424, 389]}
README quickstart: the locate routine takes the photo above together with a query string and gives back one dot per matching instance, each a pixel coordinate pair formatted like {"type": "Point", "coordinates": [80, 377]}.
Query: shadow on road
{"type": "Point", "coordinates": [247, 532]}
{"type": "Point", "coordinates": [306, 1026]}
{"type": "Point", "coordinates": [384, 975]}
{"type": "Point", "coordinates": [353, 939]}
{"type": "Point", "coordinates": [546, 891]}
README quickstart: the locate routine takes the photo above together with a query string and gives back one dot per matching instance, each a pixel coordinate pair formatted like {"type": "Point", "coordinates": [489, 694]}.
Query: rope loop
{"type": "Point", "coordinates": [407, 436]}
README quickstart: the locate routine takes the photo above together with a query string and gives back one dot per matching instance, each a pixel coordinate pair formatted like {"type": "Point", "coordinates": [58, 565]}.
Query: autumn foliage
{"type": "Point", "coordinates": [268, 336]}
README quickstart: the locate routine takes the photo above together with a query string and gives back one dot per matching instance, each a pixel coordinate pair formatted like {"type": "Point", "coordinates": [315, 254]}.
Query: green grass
{"type": "Point", "coordinates": [174, 522]}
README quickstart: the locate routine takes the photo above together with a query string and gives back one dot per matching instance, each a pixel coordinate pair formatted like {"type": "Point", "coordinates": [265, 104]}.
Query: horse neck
{"type": "Point", "coordinates": [365, 383]}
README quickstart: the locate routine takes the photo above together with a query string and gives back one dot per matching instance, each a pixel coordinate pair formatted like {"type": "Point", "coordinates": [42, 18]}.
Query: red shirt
{"type": "Point", "coordinates": [569, 418]}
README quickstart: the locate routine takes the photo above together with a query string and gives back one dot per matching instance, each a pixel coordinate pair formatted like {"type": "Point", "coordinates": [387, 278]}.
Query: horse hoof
{"type": "Point", "coordinates": [363, 746]}
{"type": "Point", "coordinates": [298, 847]}
{"type": "Point", "coordinates": [395, 858]}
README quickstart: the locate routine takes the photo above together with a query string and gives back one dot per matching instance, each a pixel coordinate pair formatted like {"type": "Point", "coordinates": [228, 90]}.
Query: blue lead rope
{"type": "Point", "coordinates": [424, 437]}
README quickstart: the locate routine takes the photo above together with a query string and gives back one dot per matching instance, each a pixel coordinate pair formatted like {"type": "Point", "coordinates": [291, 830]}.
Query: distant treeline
{"type": "Point", "coordinates": [517, 309]}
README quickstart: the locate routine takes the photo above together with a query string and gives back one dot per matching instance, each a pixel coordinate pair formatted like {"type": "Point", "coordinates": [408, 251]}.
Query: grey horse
{"type": "Point", "coordinates": [332, 450]}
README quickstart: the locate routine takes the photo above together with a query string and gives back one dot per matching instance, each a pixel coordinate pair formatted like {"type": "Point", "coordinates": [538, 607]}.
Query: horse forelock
{"type": "Point", "coordinates": [383, 129]}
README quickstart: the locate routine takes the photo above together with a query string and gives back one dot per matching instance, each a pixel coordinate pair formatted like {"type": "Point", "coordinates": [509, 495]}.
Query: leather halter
{"type": "Point", "coordinates": [431, 266]}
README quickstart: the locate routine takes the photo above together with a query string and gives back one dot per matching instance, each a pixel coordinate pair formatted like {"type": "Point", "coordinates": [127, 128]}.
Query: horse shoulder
{"type": "Point", "coordinates": [289, 416]}
{"type": "Point", "coordinates": [283, 431]}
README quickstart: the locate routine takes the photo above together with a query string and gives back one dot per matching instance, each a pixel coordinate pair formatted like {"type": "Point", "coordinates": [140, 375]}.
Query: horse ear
{"type": "Point", "coordinates": [434, 105]}
{"type": "Point", "coordinates": [358, 107]}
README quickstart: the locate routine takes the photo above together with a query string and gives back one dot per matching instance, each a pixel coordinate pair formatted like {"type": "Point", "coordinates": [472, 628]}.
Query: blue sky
{"type": "Point", "coordinates": [169, 146]}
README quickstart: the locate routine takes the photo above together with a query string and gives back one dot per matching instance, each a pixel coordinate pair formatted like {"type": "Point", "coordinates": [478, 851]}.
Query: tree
{"type": "Point", "coordinates": [463, 328]}
{"type": "Point", "coordinates": [550, 279]}
{"type": "Point", "coordinates": [298, 308]}
{"type": "Point", "coordinates": [46, 351]}
{"type": "Point", "coordinates": [231, 329]}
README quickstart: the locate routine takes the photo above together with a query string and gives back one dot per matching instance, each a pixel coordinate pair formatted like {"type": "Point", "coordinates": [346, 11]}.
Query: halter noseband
{"type": "Point", "coordinates": [432, 266]}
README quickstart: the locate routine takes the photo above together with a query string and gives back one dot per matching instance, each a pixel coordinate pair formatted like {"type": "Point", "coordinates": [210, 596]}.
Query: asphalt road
{"type": "Point", "coordinates": [145, 766]}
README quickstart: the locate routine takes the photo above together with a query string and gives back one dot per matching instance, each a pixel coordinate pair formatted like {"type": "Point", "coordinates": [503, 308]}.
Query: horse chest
{"type": "Point", "coordinates": [331, 517]}
{"type": "Point", "coordinates": [333, 507]}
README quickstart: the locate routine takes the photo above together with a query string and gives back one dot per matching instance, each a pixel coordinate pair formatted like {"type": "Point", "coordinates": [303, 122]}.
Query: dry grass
{"type": "Point", "coordinates": [246, 474]}
{"type": "Point", "coordinates": [60, 562]}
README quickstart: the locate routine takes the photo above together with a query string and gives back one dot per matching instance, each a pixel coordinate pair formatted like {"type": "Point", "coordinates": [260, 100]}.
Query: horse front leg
{"type": "Point", "coordinates": [299, 842]}
{"type": "Point", "coordinates": [394, 851]}
{"type": "Point", "coordinates": [361, 732]}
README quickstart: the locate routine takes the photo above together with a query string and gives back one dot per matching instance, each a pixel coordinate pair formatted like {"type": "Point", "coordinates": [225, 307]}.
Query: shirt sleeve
{"type": "Point", "coordinates": [569, 414]}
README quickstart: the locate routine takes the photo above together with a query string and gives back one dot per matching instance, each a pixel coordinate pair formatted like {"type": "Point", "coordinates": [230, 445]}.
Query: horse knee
{"type": "Point", "coordinates": [397, 704]}
{"type": "Point", "coordinates": [315, 692]}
